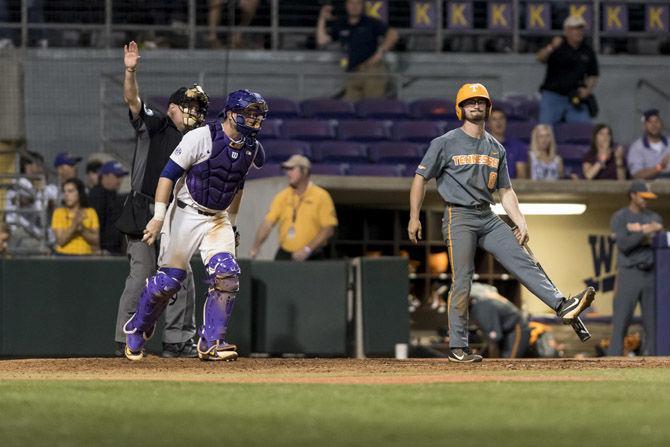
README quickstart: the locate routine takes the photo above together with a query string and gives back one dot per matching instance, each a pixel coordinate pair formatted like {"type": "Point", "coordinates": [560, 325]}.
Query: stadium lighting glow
{"type": "Point", "coordinates": [546, 209]}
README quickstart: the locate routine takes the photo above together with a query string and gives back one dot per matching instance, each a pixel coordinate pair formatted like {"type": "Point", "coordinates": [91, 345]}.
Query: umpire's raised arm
{"type": "Point", "coordinates": [131, 91]}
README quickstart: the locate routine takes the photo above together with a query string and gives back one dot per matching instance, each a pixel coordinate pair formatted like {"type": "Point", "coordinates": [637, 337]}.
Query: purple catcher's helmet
{"type": "Point", "coordinates": [251, 110]}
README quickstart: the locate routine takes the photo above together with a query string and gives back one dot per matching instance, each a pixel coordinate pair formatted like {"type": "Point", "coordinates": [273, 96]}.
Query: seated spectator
{"type": "Point", "coordinates": [92, 174]}
{"type": "Point", "coordinates": [66, 166]}
{"type": "Point", "coordinates": [649, 155]}
{"type": "Point", "coordinates": [545, 164]}
{"type": "Point", "coordinates": [74, 224]}
{"type": "Point", "coordinates": [605, 159]}
{"type": "Point", "coordinates": [107, 202]}
{"type": "Point", "coordinates": [517, 151]}
{"type": "Point", "coordinates": [5, 234]}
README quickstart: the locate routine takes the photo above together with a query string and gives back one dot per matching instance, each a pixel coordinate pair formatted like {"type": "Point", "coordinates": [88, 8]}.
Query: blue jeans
{"type": "Point", "coordinates": [555, 108]}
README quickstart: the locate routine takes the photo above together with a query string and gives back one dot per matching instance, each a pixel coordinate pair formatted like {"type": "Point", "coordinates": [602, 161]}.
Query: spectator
{"type": "Point", "coordinates": [572, 72]}
{"type": "Point", "coordinates": [75, 224]}
{"type": "Point", "coordinates": [516, 150]}
{"type": "Point", "coordinates": [305, 213]}
{"type": "Point", "coordinates": [66, 166]}
{"type": "Point", "coordinates": [5, 234]}
{"type": "Point", "coordinates": [633, 227]}
{"type": "Point", "coordinates": [605, 159]}
{"type": "Point", "coordinates": [649, 155]}
{"type": "Point", "coordinates": [545, 164]}
{"type": "Point", "coordinates": [247, 12]}
{"type": "Point", "coordinates": [105, 199]}
{"type": "Point", "coordinates": [359, 36]}
{"type": "Point", "coordinates": [92, 174]}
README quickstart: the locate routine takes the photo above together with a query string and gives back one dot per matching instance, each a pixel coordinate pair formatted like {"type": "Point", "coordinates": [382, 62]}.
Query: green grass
{"type": "Point", "coordinates": [631, 408]}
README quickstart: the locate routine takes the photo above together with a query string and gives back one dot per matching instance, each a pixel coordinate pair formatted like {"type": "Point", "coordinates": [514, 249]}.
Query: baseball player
{"type": "Point", "coordinates": [469, 165]}
{"type": "Point", "coordinates": [207, 170]}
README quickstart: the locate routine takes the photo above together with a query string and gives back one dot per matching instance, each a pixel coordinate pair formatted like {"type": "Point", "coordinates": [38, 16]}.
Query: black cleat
{"type": "Point", "coordinates": [572, 307]}
{"type": "Point", "coordinates": [183, 350]}
{"type": "Point", "coordinates": [463, 355]}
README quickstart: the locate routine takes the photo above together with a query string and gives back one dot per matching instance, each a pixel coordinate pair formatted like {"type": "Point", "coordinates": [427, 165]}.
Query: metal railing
{"type": "Point", "coordinates": [191, 28]}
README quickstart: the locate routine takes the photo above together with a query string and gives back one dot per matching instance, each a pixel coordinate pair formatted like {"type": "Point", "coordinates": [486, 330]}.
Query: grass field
{"type": "Point", "coordinates": [253, 402]}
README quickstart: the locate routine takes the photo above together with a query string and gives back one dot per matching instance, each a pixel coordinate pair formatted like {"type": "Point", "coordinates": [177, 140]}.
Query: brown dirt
{"type": "Point", "coordinates": [331, 371]}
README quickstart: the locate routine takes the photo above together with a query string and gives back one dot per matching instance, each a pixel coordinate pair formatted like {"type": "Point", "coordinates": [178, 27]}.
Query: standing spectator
{"type": "Point", "coordinates": [633, 227]}
{"type": "Point", "coordinates": [649, 155]}
{"type": "Point", "coordinates": [359, 36]}
{"type": "Point", "coordinates": [605, 159]}
{"type": "Point", "coordinates": [305, 213]}
{"type": "Point", "coordinates": [545, 164]}
{"type": "Point", "coordinates": [247, 12]}
{"type": "Point", "coordinates": [75, 224]}
{"type": "Point", "coordinates": [158, 133]}
{"type": "Point", "coordinates": [66, 166]}
{"type": "Point", "coordinates": [107, 202]}
{"type": "Point", "coordinates": [92, 174]}
{"type": "Point", "coordinates": [516, 150]}
{"type": "Point", "coordinates": [572, 72]}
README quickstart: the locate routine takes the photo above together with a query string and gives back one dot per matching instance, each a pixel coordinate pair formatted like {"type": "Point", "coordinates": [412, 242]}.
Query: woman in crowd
{"type": "Point", "coordinates": [605, 160]}
{"type": "Point", "coordinates": [75, 225]}
{"type": "Point", "coordinates": [545, 164]}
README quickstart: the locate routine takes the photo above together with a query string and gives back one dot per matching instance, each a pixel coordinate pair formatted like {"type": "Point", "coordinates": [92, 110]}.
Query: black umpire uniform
{"type": "Point", "coordinates": [157, 136]}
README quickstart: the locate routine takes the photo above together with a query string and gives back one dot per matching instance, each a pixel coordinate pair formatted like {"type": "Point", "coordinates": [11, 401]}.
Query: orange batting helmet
{"type": "Point", "coordinates": [469, 91]}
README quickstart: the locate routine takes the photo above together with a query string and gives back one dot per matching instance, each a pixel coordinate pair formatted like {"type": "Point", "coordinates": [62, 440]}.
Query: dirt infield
{"type": "Point", "coordinates": [331, 371]}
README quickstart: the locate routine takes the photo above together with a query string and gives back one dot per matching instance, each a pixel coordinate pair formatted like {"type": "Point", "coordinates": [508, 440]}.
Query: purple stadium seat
{"type": "Point", "coordinates": [396, 152]}
{"type": "Point", "coordinates": [572, 152]}
{"type": "Point", "coordinates": [327, 108]}
{"type": "Point", "coordinates": [381, 108]}
{"type": "Point", "coordinates": [340, 151]}
{"type": "Point", "coordinates": [417, 131]}
{"type": "Point", "coordinates": [282, 107]}
{"type": "Point", "coordinates": [216, 105]}
{"type": "Point", "coordinates": [271, 129]}
{"type": "Point", "coordinates": [308, 129]}
{"type": "Point", "coordinates": [506, 107]}
{"type": "Point", "coordinates": [268, 170]}
{"type": "Point", "coordinates": [377, 170]}
{"type": "Point", "coordinates": [575, 133]}
{"type": "Point", "coordinates": [363, 130]}
{"type": "Point", "coordinates": [451, 125]}
{"type": "Point", "coordinates": [432, 108]}
{"type": "Point", "coordinates": [281, 150]}
{"type": "Point", "coordinates": [520, 130]}
{"type": "Point", "coordinates": [329, 169]}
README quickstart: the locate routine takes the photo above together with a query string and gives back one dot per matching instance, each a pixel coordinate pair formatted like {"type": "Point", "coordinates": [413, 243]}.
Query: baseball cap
{"type": "Point", "coordinates": [297, 160]}
{"type": "Point", "coordinates": [113, 167]}
{"type": "Point", "coordinates": [574, 22]}
{"type": "Point", "coordinates": [649, 113]}
{"type": "Point", "coordinates": [642, 188]}
{"type": "Point", "coordinates": [66, 158]}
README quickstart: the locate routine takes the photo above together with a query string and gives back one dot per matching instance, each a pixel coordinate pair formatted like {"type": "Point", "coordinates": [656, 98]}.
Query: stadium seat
{"type": "Point", "coordinates": [417, 131]}
{"type": "Point", "coordinates": [396, 152]}
{"type": "Point", "coordinates": [268, 170]}
{"type": "Point", "coordinates": [575, 133]}
{"type": "Point", "coordinates": [572, 155]}
{"type": "Point", "coordinates": [329, 169]}
{"type": "Point", "coordinates": [281, 150]}
{"type": "Point", "coordinates": [327, 108]}
{"type": "Point", "coordinates": [308, 129]}
{"type": "Point", "coordinates": [432, 108]}
{"type": "Point", "coordinates": [377, 170]}
{"type": "Point", "coordinates": [363, 130]}
{"type": "Point", "coordinates": [340, 151]}
{"type": "Point", "coordinates": [520, 130]}
{"type": "Point", "coordinates": [381, 108]}
{"type": "Point", "coordinates": [271, 129]}
{"type": "Point", "coordinates": [216, 105]}
{"type": "Point", "coordinates": [282, 107]}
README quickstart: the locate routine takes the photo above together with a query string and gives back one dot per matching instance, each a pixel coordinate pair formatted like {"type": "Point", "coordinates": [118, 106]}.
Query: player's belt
{"type": "Point", "coordinates": [181, 204]}
{"type": "Point", "coordinates": [480, 207]}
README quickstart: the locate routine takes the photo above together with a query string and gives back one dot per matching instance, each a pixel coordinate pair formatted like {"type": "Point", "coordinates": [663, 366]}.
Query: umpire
{"type": "Point", "coordinates": [157, 135]}
{"type": "Point", "coordinates": [634, 226]}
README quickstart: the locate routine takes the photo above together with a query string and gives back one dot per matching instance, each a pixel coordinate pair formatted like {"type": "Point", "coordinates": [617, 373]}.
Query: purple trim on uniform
{"type": "Point", "coordinates": [155, 296]}
{"type": "Point", "coordinates": [213, 183]}
{"type": "Point", "coordinates": [223, 273]}
{"type": "Point", "coordinates": [172, 171]}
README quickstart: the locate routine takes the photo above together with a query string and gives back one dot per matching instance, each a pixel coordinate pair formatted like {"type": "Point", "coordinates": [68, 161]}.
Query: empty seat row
{"type": "Point", "coordinates": [345, 151]}
{"type": "Point", "coordinates": [376, 170]}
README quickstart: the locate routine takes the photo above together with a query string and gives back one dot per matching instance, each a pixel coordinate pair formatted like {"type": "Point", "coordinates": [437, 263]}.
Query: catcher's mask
{"type": "Point", "coordinates": [193, 103]}
{"type": "Point", "coordinates": [249, 109]}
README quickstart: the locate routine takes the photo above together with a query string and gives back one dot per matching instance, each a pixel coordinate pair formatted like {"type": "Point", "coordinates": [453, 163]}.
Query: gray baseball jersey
{"type": "Point", "coordinates": [634, 246]}
{"type": "Point", "coordinates": [468, 170]}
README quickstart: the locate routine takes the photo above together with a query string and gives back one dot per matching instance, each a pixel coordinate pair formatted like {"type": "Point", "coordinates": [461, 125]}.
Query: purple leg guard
{"type": "Point", "coordinates": [155, 297]}
{"type": "Point", "coordinates": [223, 276]}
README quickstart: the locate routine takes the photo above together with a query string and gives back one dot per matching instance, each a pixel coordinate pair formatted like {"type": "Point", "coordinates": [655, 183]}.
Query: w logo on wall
{"type": "Point", "coordinates": [602, 254]}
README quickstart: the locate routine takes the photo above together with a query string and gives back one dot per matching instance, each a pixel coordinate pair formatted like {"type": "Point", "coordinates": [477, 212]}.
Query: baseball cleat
{"type": "Point", "coordinates": [572, 307]}
{"type": "Point", "coordinates": [184, 350]}
{"type": "Point", "coordinates": [463, 355]}
{"type": "Point", "coordinates": [219, 351]}
{"type": "Point", "coordinates": [134, 346]}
